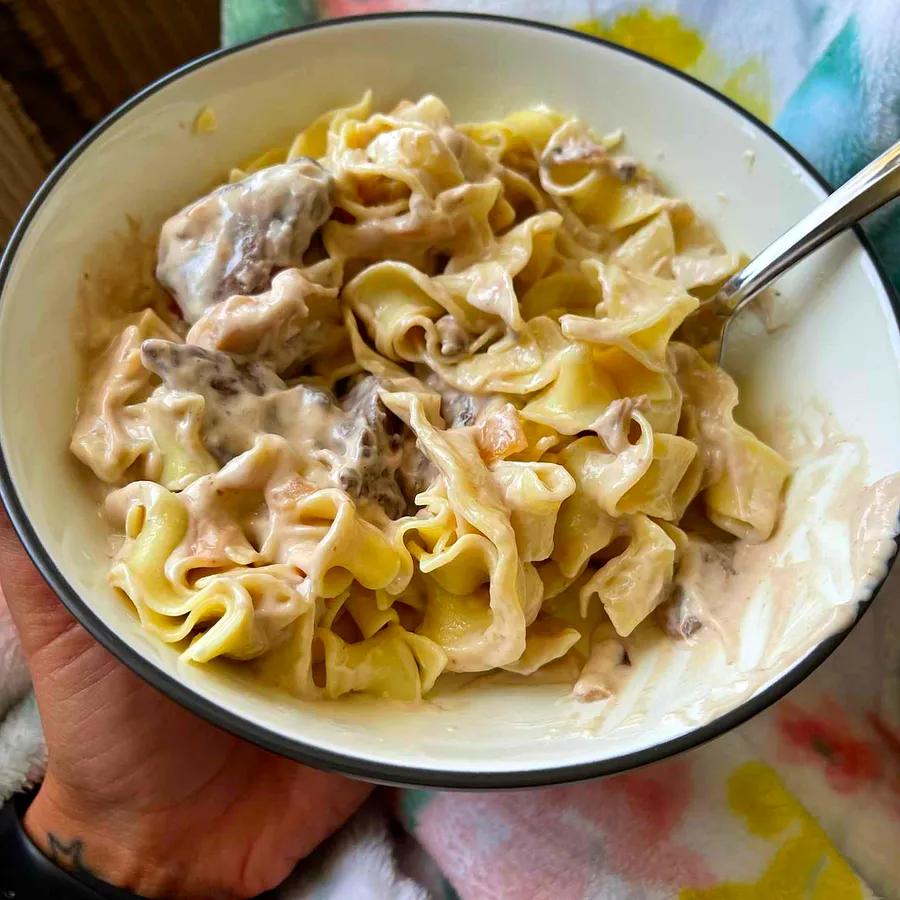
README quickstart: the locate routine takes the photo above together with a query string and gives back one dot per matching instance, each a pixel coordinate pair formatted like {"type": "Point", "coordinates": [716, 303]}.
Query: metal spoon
{"type": "Point", "coordinates": [865, 192]}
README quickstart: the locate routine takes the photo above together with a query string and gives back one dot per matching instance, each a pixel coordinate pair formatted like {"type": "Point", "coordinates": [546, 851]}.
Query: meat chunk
{"type": "Point", "coordinates": [284, 326]}
{"type": "Point", "coordinates": [604, 671]}
{"type": "Point", "coordinates": [230, 241]}
{"type": "Point", "coordinates": [573, 146]}
{"type": "Point", "coordinates": [370, 448]}
{"type": "Point", "coordinates": [416, 472]}
{"type": "Point", "coordinates": [187, 367]}
{"type": "Point", "coordinates": [458, 408]}
{"type": "Point", "coordinates": [677, 616]}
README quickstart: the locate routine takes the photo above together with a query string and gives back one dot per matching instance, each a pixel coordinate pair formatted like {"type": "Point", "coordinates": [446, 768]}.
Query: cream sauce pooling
{"type": "Point", "coordinates": [717, 581]}
{"type": "Point", "coordinates": [751, 611]}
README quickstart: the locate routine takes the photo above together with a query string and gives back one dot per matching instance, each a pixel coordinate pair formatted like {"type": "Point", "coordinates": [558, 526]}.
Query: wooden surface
{"type": "Point", "coordinates": [64, 64]}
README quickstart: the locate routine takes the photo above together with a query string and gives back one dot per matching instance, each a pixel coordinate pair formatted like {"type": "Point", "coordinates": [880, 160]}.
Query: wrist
{"type": "Point", "coordinates": [119, 849]}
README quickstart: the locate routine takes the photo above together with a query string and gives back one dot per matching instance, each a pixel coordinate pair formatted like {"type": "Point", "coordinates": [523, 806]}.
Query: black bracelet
{"type": "Point", "coordinates": [27, 874]}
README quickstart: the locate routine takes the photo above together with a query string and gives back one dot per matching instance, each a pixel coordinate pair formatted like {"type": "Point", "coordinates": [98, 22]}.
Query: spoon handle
{"type": "Point", "coordinates": [865, 192]}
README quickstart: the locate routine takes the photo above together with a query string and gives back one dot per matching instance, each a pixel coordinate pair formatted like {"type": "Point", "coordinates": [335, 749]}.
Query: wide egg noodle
{"type": "Point", "coordinates": [670, 482]}
{"type": "Point", "coordinates": [112, 431]}
{"type": "Point", "coordinates": [476, 501]}
{"type": "Point", "coordinates": [609, 476]}
{"type": "Point", "coordinates": [675, 244]}
{"type": "Point", "coordinates": [259, 509]}
{"type": "Point", "coordinates": [518, 363]}
{"type": "Point", "coordinates": [392, 663]}
{"type": "Point", "coordinates": [533, 492]}
{"type": "Point", "coordinates": [405, 191]}
{"type": "Point", "coordinates": [525, 252]}
{"type": "Point", "coordinates": [174, 419]}
{"type": "Point", "coordinates": [399, 306]}
{"type": "Point", "coordinates": [743, 477]}
{"type": "Point", "coordinates": [631, 585]}
{"type": "Point", "coordinates": [581, 391]}
{"type": "Point", "coordinates": [228, 604]}
{"type": "Point", "coordinates": [638, 313]}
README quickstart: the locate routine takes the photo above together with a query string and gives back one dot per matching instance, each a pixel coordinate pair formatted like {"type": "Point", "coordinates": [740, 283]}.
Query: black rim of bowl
{"type": "Point", "coordinates": [339, 762]}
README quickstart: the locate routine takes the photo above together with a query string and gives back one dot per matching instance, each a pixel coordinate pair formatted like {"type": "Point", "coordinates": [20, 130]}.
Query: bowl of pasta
{"type": "Point", "coordinates": [354, 392]}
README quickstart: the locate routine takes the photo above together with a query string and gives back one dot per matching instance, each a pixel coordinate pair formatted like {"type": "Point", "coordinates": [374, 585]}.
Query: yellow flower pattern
{"type": "Point", "coordinates": [666, 38]}
{"type": "Point", "coordinates": [805, 865]}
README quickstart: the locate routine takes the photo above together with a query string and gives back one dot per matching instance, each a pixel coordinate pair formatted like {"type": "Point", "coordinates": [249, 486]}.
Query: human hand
{"type": "Point", "coordinates": [142, 793]}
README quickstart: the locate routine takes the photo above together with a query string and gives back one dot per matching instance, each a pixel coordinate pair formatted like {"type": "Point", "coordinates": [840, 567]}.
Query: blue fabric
{"type": "Point", "coordinates": [828, 119]}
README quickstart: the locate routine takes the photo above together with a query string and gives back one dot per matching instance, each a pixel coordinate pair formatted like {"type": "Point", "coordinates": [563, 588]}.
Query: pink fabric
{"type": "Point", "coordinates": [546, 842]}
{"type": "Point", "coordinates": [334, 9]}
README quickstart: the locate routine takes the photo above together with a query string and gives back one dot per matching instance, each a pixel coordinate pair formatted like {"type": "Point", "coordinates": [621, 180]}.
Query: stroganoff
{"type": "Point", "coordinates": [430, 404]}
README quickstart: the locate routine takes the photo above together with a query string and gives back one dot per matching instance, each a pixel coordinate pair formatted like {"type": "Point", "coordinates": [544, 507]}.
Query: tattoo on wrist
{"type": "Point", "coordinates": [69, 855]}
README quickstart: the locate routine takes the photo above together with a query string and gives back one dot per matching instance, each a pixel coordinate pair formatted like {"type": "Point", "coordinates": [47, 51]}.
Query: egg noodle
{"type": "Point", "coordinates": [429, 415]}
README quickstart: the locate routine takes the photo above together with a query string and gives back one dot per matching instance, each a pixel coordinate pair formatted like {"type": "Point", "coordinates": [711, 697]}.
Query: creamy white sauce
{"type": "Point", "coordinates": [356, 441]}
{"type": "Point", "coordinates": [613, 424]}
{"type": "Point", "coordinates": [753, 610]}
{"type": "Point", "coordinates": [750, 612]}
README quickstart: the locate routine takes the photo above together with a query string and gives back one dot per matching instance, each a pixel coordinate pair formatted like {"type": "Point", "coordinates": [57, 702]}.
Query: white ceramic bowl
{"type": "Point", "coordinates": [840, 354]}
